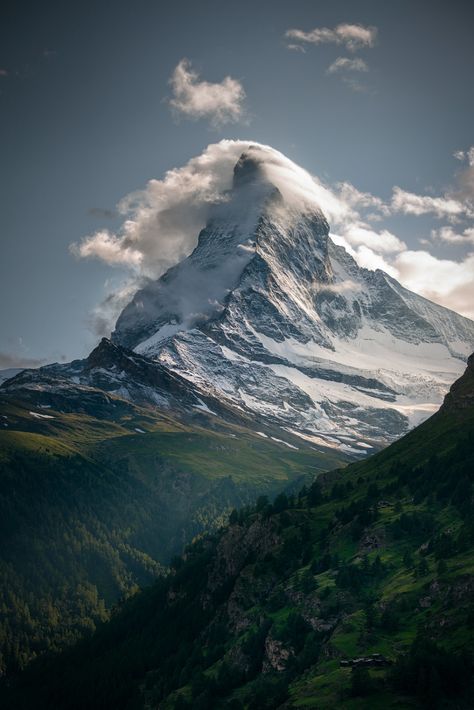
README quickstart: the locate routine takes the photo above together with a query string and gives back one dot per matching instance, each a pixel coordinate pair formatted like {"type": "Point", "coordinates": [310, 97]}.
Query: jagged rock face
{"type": "Point", "coordinates": [271, 316]}
{"type": "Point", "coordinates": [269, 320]}
{"type": "Point", "coordinates": [461, 393]}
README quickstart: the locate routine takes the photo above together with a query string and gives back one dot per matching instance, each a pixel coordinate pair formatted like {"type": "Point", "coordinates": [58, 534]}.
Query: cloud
{"type": "Point", "coordinates": [447, 234]}
{"type": "Point", "coordinates": [296, 48]}
{"type": "Point", "coordinates": [106, 246]}
{"type": "Point", "coordinates": [3, 72]}
{"type": "Point", "coordinates": [346, 64]}
{"type": "Point", "coordinates": [354, 197]}
{"type": "Point", "coordinates": [444, 281]}
{"type": "Point", "coordinates": [161, 225]}
{"type": "Point", "coordinates": [456, 204]}
{"type": "Point", "coordinates": [8, 360]}
{"type": "Point", "coordinates": [450, 283]}
{"type": "Point", "coordinates": [413, 204]}
{"type": "Point", "coordinates": [221, 103]}
{"type": "Point", "coordinates": [464, 189]}
{"type": "Point", "coordinates": [463, 155]}
{"type": "Point", "coordinates": [383, 241]}
{"type": "Point", "coordinates": [103, 316]}
{"type": "Point", "coordinates": [353, 37]}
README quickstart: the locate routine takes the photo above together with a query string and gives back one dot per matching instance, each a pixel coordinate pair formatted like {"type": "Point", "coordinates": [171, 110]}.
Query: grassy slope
{"type": "Point", "coordinates": [89, 508]}
{"type": "Point", "coordinates": [291, 591]}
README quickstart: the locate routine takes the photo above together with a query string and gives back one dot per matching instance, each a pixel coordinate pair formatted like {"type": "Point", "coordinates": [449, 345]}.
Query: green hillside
{"type": "Point", "coordinates": [374, 562]}
{"type": "Point", "coordinates": [93, 505]}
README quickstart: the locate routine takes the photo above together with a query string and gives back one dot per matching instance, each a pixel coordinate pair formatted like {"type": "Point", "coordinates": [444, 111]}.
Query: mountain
{"type": "Point", "coordinates": [263, 358]}
{"type": "Point", "coordinates": [8, 373]}
{"type": "Point", "coordinates": [356, 593]}
{"type": "Point", "coordinates": [269, 321]}
{"type": "Point", "coordinates": [269, 315]}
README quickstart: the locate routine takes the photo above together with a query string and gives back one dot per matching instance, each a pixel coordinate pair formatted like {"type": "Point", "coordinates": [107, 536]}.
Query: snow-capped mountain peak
{"type": "Point", "coordinates": [270, 315]}
{"type": "Point", "coordinates": [271, 321]}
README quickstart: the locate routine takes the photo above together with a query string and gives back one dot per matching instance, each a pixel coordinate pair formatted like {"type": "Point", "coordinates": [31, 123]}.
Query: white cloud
{"type": "Point", "coordinates": [296, 48]}
{"type": "Point", "coordinates": [161, 224]}
{"type": "Point", "coordinates": [221, 103]}
{"type": "Point", "coordinates": [463, 155]}
{"type": "Point", "coordinates": [450, 283]}
{"type": "Point", "coordinates": [411, 203]}
{"type": "Point", "coordinates": [444, 281]}
{"type": "Point", "coordinates": [105, 314]}
{"type": "Point", "coordinates": [346, 64]}
{"type": "Point", "coordinates": [354, 197]}
{"type": "Point", "coordinates": [447, 234]}
{"type": "Point", "coordinates": [384, 241]}
{"type": "Point", "coordinates": [105, 245]}
{"type": "Point", "coordinates": [353, 37]}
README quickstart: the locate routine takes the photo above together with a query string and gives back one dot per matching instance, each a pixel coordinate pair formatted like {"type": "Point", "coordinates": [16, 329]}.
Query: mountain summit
{"type": "Point", "coordinates": [270, 315]}
{"type": "Point", "coordinates": [269, 321]}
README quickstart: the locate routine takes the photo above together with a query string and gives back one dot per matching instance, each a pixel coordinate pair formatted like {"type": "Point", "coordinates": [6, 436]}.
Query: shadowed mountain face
{"type": "Point", "coordinates": [358, 592]}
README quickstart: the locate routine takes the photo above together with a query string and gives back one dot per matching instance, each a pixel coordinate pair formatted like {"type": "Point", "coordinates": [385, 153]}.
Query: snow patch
{"type": "Point", "coordinates": [280, 441]}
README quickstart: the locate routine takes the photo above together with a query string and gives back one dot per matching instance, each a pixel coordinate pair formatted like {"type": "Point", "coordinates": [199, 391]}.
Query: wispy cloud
{"type": "Point", "coordinates": [347, 64]}
{"type": "Point", "coordinates": [296, 47]}
{"type": "Point", "coordinates": [447, 234]}
{"type": "Point", "coordinates": [8, 360]}
{"type": "Point", "coordinates": [353, 37]}
{"type": "Point", "coordinates": [442, 207]}
{"type": "Point", "coordinates": [161, 224]}
{"type": "Point", "coordinates": [467, 155]}
{"type": "Point", "coordinates": [448, 282]}
{"type": "Point", "coordinates": [220, 103]}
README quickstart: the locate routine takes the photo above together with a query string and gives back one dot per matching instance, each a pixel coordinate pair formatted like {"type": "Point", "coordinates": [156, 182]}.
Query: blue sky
{"type": "Point", "coordinates": [87, 117]}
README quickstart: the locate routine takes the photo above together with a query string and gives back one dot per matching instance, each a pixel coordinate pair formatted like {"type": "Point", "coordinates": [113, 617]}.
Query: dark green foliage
{"type": "Point", "coordinates": [234, 517]}
{"type": "Point", "coordinates": [361, 684]}
{"type": "Point", "coordinates": [84, 526]}
{"type": "Point", "coordinates": [433, 674]}
{"type": "Point", "coordinates": [358, 577]}
{"type": "Point", "coordinates": [294, 631]}
{"type": "Point", "coordinates": [267, 693]}
{"type": "Point", "coordinates": [416, 526]}
{"type": "Point", "coordinates": [260, 615]}
{"type": "Point", "coordinates": [280, 503]}
{"type": "Point", "coordinates": [315, 495]}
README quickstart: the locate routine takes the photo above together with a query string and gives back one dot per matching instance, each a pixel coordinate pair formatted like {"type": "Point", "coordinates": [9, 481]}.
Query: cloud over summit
{"type": "Point", "coordinates": [161, 223]}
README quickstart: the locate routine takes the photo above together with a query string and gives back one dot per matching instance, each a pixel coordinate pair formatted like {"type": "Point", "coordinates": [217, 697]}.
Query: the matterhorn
{"type": "Point", "coordinates": [269, 319]}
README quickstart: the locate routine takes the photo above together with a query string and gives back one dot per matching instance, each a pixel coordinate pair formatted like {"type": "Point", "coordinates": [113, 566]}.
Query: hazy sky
{"type": "Point", "coordinates": [97, 98]}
